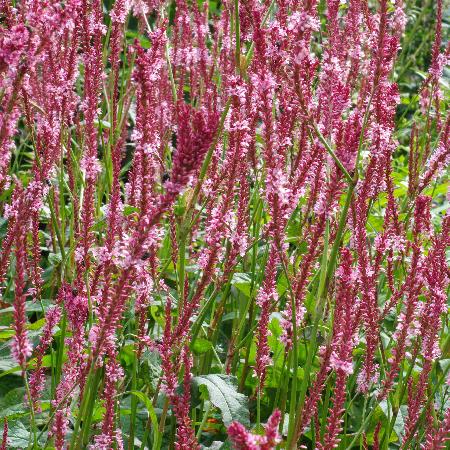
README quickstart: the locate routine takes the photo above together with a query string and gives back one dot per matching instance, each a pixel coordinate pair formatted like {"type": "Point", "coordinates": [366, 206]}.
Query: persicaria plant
{"type": "Point", "coordinates": [223, 224]}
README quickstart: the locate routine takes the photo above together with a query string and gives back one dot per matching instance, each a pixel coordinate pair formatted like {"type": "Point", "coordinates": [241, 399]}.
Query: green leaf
{"type": "Point", "coordinates": [54, 259]}
{"type": "Point", "coordinates": [128, 210]}
{"type": "Point", "coordinates": [151, 412]}
{"type": "Point", "coordinates": [223, 394]}
{"type": "Point", "coordinates": [282, 285]}
{"type": "Point", "coordinates": [18, 435]}
{"type": "Point", "coordinates": [152, 367]}
{"type": "Point", "coordinates": [201, 346]}
{"type": "Point", "coordinates": [149, 405]}
{"type": "Point", "coordinates": [444, 364]}
{"type": "Point", "coordinates": [127, 354]}
{"type": "Point", "coordinates": [36, 325]}
{"type": "Point", "coordinates": [242, 282]}
{"type": "Point", "coordinates": [399, 426]}
{"type": "Point", "coordinates": [3, 227]}
{"type": "Point", "coordinates": [6, 333]}
{"type": "Point", "coordinates": [7, 363]}
{"type": "Point", "coordinates": [30, 307]}
{"type": "Point", "coordinates": [14, 411]}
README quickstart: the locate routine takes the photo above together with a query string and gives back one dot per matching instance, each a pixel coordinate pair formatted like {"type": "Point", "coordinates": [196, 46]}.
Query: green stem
{"type": "Point", "coordinates": [87, 416]}
{"type": "Point", "coordinates": [258, 409]}
{"type": "Point", "coordinates": [157, 442]}
{"type": "Point", "coordinates": [33, 435]}
{"type": "Point", "coordinates": [56, 227]}
{"type": "Point", "coordinates": [363, 426]}
{"type": "Point", "coordinates": [76, 436]}
{"type": "Point", "coordinates": [293, 435]}
{"type": "Point", "coordinates": [181, 266]}
{"type": "Point", "coordinates": [208, 405]}
{"type": "Point", "coordinates": [294, 354]}
{"type": "Point", "coordinates": [331, 152]}
{"type": "Point", "coordinates": [60, 351]}
{"type": "Point", "coordinates": [134, 402]}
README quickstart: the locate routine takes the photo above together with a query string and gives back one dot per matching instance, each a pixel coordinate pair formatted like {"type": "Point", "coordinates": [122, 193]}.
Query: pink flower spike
{"type": "Point", "coordinates": [244, 440]}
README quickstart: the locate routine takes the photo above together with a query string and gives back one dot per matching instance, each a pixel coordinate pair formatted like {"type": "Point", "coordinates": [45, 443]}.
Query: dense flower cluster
{"type": "Point", "coordinates": [244, 440]}
{"type": "Point", "coordinates": [212, 190]}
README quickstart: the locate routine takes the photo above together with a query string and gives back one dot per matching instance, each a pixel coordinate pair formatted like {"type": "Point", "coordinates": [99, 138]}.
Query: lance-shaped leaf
{"type": "Point", "coordinates": [223, 394]}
